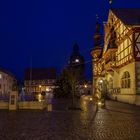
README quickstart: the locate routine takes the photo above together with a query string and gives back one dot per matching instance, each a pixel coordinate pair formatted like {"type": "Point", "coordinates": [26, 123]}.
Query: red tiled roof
{"type": "Point", "coordinates": [40, 73]}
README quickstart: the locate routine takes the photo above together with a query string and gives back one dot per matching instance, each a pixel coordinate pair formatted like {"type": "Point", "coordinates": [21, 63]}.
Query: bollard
{"type": "Point", "coordinates": [13, 100]}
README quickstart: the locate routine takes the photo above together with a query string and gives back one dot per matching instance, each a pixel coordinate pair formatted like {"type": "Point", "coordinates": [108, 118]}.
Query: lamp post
{"type": "Point", "coordinates": [40, 88]}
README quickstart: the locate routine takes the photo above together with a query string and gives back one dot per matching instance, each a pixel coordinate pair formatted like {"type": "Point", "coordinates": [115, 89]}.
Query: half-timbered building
{"type": "Point", "coordinates": [40, 80]}
{"type": "Point", "coordinates": [116, 62]}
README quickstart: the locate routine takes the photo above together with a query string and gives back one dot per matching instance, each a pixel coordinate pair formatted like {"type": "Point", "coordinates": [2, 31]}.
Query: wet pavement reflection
{"type": "Point", "coordinates": [118, 121]}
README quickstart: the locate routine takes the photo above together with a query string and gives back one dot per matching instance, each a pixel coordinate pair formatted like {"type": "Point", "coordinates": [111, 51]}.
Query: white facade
{"type": "Point", "coordinates": [116, 69]}
{"type": "Point", "coordinates": [6, 82]}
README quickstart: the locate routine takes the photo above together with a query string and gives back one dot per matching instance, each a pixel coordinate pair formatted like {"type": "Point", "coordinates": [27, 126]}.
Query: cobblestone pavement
{"type": "Point", "coordinates": [117, 122]}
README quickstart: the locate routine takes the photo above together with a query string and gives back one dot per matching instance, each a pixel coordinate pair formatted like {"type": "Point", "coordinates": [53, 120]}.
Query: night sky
{"type": "Point", "coordinates": [46, 30]}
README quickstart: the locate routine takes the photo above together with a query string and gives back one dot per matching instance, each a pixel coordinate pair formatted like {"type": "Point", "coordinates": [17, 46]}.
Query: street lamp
{"type": "Point", "coordinates": [47, 89]}
{"type": "Point", "coordinates": [101, 81]}
{"type": "Point", "coordinates": [85, 88]}
{"type": "Point", "coordinates": [40, 88]}
{"type": "Point", "coordinates": [85, 85]}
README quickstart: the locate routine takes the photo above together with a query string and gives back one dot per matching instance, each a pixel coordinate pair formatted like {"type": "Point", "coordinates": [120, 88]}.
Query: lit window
{"type": "Point", "coordinates": [0, 76]}
{"type": "Point", "coordinates": [125, 81]}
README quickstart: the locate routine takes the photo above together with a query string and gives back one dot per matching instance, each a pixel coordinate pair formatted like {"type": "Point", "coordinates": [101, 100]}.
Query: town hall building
{"type": "Point", "coordinates": [116, 62]}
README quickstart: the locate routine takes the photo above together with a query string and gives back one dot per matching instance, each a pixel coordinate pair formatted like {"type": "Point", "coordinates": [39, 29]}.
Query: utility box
{"type": "Point", "coordinates": [13, 100]}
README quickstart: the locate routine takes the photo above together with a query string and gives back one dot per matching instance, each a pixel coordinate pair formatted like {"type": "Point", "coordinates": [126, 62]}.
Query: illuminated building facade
{"type": "Point", "coordinates": [116, 64]}
{"type": "Point", "coordinates": [40, 80]}
{"type": "Point", "coordinates": [7, 81]}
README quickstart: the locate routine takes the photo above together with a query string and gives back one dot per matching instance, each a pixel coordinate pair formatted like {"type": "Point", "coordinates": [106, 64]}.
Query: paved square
{"type": "Point", "coordinates": [117, 122]}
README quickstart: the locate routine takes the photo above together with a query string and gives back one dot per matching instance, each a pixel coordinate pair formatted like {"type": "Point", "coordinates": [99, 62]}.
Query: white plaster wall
{"type": "Point", "coordinates": [131, 99]}
{"type": "Point", "coordinates": [126, 98]}
{"type": "Point", "coordinates": [114, 76]}
{"type": "Point", "coordinates": [7, 81]}
{"type": "Point", "coordinates": [116, 80]}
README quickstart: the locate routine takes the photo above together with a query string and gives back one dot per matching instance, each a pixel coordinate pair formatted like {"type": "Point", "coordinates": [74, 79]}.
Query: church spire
{"type": "Point", "coordinates": [97, 50]}
{"type": "Point", "coordinates": [76, 49]}
{"type": "Point", "coordinates": [110, 2]}
{"type": "Point", "coordinates": [97, 35]}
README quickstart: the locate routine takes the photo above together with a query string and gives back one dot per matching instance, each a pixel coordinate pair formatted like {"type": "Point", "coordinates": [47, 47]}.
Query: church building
{"type": "Point", "coordinates": [40, 80]}
{"type": "Point", "coordinates": [77, 63]}
{"type": "Point", "coordinates": [116, 62]}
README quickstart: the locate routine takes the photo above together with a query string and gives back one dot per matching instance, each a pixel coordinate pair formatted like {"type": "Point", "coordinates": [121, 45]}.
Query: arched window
{"type": "Point", "coordinates": [125, 80]}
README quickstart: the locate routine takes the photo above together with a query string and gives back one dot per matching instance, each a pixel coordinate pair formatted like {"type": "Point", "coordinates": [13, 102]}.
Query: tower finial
{"type": "Point", "coordinates": [97, 24]}
{"type": "Point", "coordinates": [97, 34]}
{"type": "Point", "coordinates": [110, 2]}
{"type": "Point", "coordinates": [97, 17]}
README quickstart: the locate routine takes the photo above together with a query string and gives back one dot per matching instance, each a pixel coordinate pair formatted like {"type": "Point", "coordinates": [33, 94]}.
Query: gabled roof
{"type": "Point", "coordinates": [40, 73]}
{"type": "Point", "coordinates": [130, 16]}
{"type": "Point", "coordinates": [7, 72]}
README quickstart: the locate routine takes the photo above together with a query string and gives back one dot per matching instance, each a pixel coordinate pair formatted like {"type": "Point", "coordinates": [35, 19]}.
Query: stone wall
{"type": "Point", "coordinates": [4, 105]}
{"type": "Point", "coordinates": [131, 99]}
{"type": "Point", "coordinates": [31, 105]}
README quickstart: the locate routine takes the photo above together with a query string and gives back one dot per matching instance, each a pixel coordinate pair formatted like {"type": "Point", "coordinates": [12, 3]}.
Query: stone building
{"type": "Point", "coordinates": [7, 81]}
{"type": "Point", "coordinates": [40, 80]}
{"type": "Point", "coordinates": [116, 63]}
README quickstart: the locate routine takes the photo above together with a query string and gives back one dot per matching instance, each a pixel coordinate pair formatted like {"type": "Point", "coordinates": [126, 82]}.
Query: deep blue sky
{"type": "Point", "coordinates": [47, 30]}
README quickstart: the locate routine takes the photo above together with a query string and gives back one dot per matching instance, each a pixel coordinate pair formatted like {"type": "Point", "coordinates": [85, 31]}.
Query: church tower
{"type": "Point", "coordinates": [77, 62]}
{"type": "Point", "coordinates": [97, 50]}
